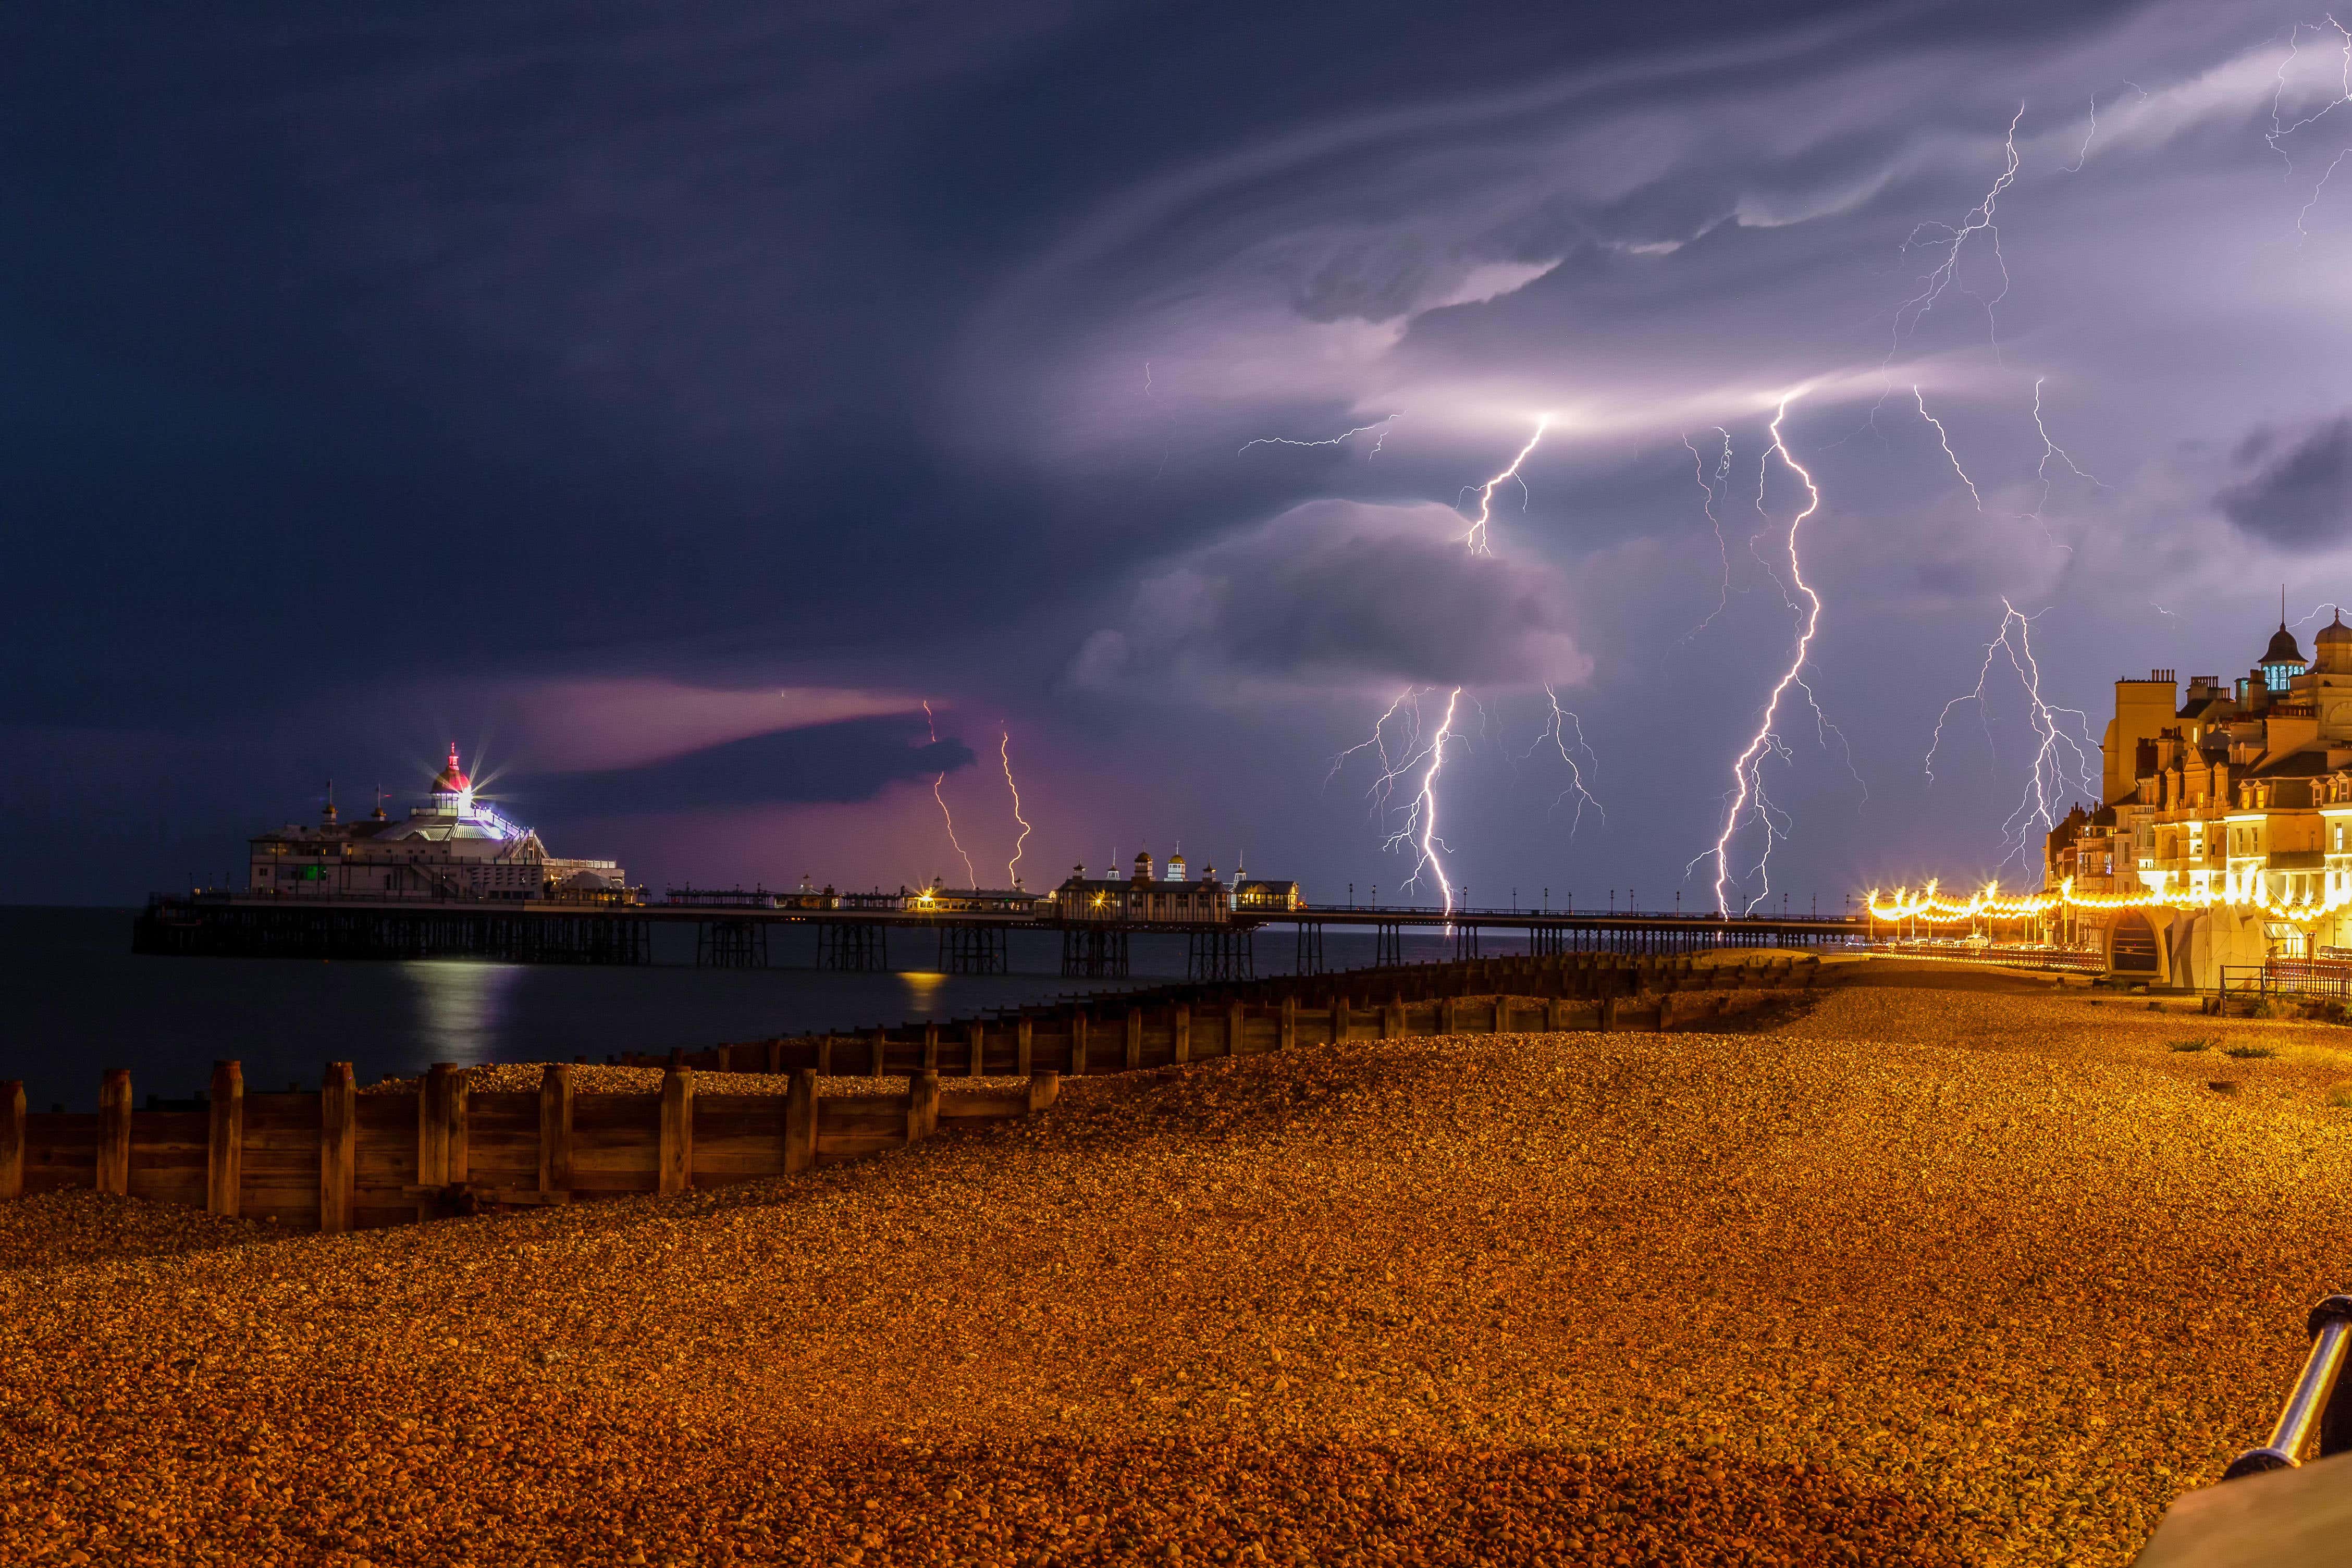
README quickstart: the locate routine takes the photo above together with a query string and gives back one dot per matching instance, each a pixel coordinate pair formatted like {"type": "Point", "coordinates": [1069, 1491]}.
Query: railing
{"type": "Point", "coordinates": [2319, 1405]}
{"type": "Point", "coordinates": [2287, 977]}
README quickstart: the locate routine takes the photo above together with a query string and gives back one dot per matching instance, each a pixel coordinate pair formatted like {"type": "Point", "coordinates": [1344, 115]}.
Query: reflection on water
{"type": "Point", "coordinates": [461, 1006]}
{"type": "Point", "coordinates": [922, 987]}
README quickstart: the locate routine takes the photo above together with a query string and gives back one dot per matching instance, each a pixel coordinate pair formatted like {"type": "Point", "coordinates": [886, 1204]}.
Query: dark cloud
{"type": "Point", "coordinates": [1338, 594]}
{"type": "Point", "coordinates": [854, 761]}
{"type": "Point", "coordinates": [2300, 491]}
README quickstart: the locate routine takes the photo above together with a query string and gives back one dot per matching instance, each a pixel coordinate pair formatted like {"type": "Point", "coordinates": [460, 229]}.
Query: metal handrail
{"type": "Point", "coordinates": [2320, 1403]}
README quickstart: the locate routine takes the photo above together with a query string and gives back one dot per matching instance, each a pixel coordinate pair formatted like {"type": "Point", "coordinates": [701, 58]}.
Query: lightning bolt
{"type": "Point", "coordinates": [2061, 766]}
{"type": "Point", "coordinates": [1421, 823]}
{"type": "Point", "coordinates": [1947, 441]}
{"type": "Point", "coordinates": [1979, 221]}
{"type": "Point", "coordinates": [1378, 742]}
{"type": "Point", "coordinates": [1556, 731]}
{"type": "Point", "coordinates": [2052, 449]}
{"type": "Point", "coordinates": [1342, 438]}
{"type": "Point", "coordinates": [1005, 753]}
{"type": "Point", "coordinates": [1476, 538]}
{"type": "Point", "coordinates": [2280, 131]}
{"type": "Point", "coordinates": [2082, 154]}
{"type": "Point", "coordinates": [971, 876]}
{"type": "Point", "coordinates": [1723, 479]}
{"type": "Point", "coordinates": [1747, 775]}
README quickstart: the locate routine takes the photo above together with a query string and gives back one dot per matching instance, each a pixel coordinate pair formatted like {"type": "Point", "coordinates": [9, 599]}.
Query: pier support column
{"type": "Point", "coordinates": [114, 1132]}
{"type": "Point", "coordinates": [224, 1149]}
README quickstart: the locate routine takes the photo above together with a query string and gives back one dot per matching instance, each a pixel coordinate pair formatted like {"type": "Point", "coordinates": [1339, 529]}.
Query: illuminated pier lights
{"type": "Point", "coordinates": [2223, 839]}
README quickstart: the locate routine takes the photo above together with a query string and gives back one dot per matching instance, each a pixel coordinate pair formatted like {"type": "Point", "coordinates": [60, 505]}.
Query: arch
{"type": "Point", "coordinates": [2131, 945]}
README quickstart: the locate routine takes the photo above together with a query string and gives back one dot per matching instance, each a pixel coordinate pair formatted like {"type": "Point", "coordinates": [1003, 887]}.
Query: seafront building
{"type": "Point", "coordinates": [454, 848]}
{"type": "Point", "coordinates": [2224, 835]}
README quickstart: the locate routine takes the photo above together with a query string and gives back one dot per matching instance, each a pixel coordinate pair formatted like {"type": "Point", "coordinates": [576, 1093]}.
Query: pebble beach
{"type": "Point", "coordinates": [1954, 1267]}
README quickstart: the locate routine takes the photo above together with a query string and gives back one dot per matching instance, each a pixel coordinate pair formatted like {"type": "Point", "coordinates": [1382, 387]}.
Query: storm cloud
{"type": "Point", "coordinates": [1337, 595]}
{"type": "Point", "coordinates": [2299, 491]}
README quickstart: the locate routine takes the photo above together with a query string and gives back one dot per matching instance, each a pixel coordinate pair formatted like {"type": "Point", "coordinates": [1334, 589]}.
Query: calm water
{"type": "Point", "coordinates": [74, 1001]}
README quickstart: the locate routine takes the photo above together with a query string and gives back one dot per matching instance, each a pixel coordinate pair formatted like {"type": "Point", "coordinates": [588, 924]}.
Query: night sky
{"type": "Point", "coordinates": [665, 402]}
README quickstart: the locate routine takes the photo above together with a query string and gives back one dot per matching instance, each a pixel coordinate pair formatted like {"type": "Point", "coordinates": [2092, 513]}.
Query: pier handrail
{"type": "Point", "coordinates": [2319, 1404]}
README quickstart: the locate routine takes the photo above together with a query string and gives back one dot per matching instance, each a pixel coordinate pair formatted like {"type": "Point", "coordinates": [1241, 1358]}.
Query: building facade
{"type": "Point", "coordinates": [452, 849]}
{"type": "Point", "coordinates": [2225, 838]}
{"type": "Point", "coordinates": [1141, 896]}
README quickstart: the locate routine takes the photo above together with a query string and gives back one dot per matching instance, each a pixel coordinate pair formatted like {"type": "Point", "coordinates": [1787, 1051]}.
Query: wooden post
{"type": "Point", "coordinates": [775, 1055]}
{"type": "Point", "coordinates": [555, 1129]}
{"type": "Point", "coordinates": [1553, 1008]}
{"type": "Point", "coordinates": [930, 1047]}
{"type": "Point", "coordinates": [1183, 1033]}
{"type": "Point", "coordinates": [1340, 1023]}
{"type": "Point", "coordinates": [922, 1106]}
{"type": "Point", "coordinates": [677, 1165]}
{"type": "Point", "coordinates": [975, 1070]}
{"type": "Point", "coordinates": [1393, 1020]}
{"type": "Point", "coordinates": [12, 1136]}
{"type": "Point", "coordinates": [824, 1057]}
{"type": "Point", "coordinates": [799, 1121]}
{"type": "Point", "coordinates": [1024, 1041]}
{"type": "Point", "coordinates": [338, 1146]}
{"type": "Point", "coordinates": [432, 1127]}
{"type": "Point", "coordinates": [1445, 1020]}
{"type": "Point", "coordinates": [1077, 1042]}
{"type": "Point", "coordinates": [224, 1153]}
{"type": "Point", "coordinates": [1134, 1038]}
{"type": "Point", "coordinates": [1044, 1088]}
{"type": "Point", "coordinates": [1289, 1022]}
{"type": "Point", "coordinates": [114, 1132]}
{"type": "Point", "coordinates": [881, 1038]}
{"type": "Point", "coordinates": [1236, 1027]}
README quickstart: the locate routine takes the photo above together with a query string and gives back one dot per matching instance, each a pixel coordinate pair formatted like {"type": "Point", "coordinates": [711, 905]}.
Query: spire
{"type": "Point", "coordinates": [328, 816]}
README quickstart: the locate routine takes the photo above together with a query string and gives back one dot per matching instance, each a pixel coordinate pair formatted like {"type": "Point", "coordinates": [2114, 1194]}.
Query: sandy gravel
{"type": "Point", "coordinates": [1989, 1288]}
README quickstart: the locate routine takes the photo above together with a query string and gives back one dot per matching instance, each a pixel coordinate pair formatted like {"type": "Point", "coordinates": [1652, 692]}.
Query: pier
{"type": "Point", "coordinates": [856, 932]}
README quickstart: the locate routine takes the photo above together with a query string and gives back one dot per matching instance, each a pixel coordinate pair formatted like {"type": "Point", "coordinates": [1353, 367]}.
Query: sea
{"type": "Point", "coordinates": [75, 1001]}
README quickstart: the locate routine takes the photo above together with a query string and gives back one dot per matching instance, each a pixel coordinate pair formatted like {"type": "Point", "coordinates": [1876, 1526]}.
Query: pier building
{"type": "Point", "coordinates": [1142, 897]}
{"type": "Point", "coordinates": [454, 847]}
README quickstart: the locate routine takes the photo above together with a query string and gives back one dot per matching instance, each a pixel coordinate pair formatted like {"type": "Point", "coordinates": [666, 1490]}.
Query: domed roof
{"type": "Point", "coordinates": [2334, 633]}
{"type": "Point", "coordinates": [452, 780]}
{"type": "Point", "coordinates": [2283, 649]}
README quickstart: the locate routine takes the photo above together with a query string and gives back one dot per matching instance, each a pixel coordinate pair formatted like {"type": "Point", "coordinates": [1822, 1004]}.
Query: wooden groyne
{"type": "Point", "coordinates": [339, 1158]}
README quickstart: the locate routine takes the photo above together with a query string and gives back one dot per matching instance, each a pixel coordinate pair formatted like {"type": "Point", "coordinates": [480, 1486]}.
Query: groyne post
{"type": "Point", "coordinates": [1134, 1038]}
{"type": "Point", "coordinates": [1024, 1041]}
{"type": "Point", "coordinates": [674, 1164]}
{"type": "Point", "coordinates": [338, 1146]}
{"type": "Point", "coordinates": [12, 1136]}
{"type": "Point", "coordinates": [976, 1037]}
{"type": "Point", "coordinates": [555, 1129]}
{"type": "Point", "coordinates": [1183, 1029]}
{"type": "Point", "coordinates": [799, 1121]}
{"type": "Point", "coordinates": [224, 1149]}
{"type": "Point", "coordinates": [922, 1105]}
{"type": "Point", "coordinates": [114, 1132]}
